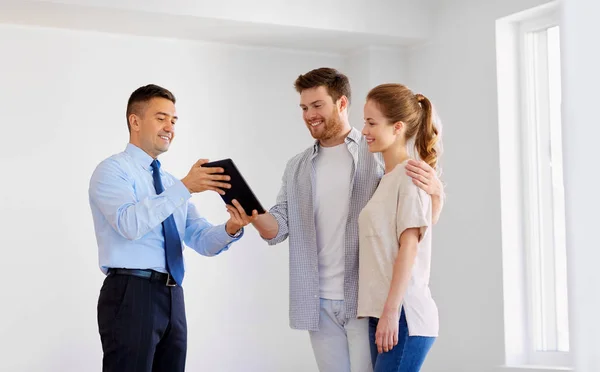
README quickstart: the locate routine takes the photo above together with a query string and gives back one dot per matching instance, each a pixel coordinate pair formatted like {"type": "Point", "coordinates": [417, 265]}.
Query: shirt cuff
{"type": "Point", "coordinates": [281, 233]}
{"type": "Point", "coordinates": [236, 236]}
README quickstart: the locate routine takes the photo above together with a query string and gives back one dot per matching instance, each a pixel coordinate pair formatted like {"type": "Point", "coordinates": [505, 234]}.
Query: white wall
{"type": "Point", "coordinates": [581, 77]}
{"type": "Point", "coordinates": [457, 70]}
{"type": "Point", "coordinates": [369, 67]}
{"type": "Point", "coordinates": [63, 97]}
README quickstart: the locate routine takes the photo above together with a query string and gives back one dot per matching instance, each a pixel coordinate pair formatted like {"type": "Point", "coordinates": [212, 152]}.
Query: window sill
{"type": "Point", "coordinates": [532, 368]}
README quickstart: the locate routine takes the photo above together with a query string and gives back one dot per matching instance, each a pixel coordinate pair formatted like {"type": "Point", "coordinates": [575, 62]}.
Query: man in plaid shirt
{"type": "Point", "coordinates": [323, 190]}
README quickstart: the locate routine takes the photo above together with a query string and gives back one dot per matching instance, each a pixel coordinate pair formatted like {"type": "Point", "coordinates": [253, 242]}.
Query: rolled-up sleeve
{"type": "Point", "coordinates": [280, 212]}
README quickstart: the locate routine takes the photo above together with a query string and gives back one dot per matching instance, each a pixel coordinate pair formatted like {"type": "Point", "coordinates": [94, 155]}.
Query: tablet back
{"type": "Point", "coordinates": [240, 190]}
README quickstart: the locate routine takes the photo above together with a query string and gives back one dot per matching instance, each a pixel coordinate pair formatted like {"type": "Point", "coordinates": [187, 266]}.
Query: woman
{"type": "Point", "coordinates": [395, 233]}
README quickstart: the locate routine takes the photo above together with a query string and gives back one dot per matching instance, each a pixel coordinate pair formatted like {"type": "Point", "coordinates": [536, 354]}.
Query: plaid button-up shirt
{"type": "Point", "coordinates": [295, 215]}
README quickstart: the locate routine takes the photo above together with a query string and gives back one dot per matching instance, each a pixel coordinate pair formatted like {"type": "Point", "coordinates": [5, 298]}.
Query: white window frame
{"type": "Point", "coordinates": [521, 109]}
{"type": "Point", "coordinates": [536, 110]}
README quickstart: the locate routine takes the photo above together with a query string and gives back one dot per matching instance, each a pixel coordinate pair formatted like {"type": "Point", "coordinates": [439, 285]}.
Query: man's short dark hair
{"type": "Point", "coordinates": [337, 84]}
{"type": "Point", "coordinates": [143, 95]}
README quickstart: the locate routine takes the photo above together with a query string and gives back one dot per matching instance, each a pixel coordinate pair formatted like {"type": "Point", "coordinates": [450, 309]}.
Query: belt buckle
{"type": "Point", "coordinates": [170, 281]}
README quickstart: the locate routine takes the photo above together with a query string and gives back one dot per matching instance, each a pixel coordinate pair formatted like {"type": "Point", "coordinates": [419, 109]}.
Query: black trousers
{"type": "Point", "coordinates": [142, 325]}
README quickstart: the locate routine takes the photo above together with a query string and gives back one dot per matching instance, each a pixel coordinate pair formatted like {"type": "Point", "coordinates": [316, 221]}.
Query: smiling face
{"type": "Point", "coordinates": [152, 125]}
{"type": "Point", "coordinates": [378, 131]}
{"type": "Point", "coordinates": [321, 114]}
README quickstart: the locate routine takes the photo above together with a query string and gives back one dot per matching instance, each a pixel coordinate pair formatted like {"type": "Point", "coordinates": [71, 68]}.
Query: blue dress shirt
{"type": "Point", "coordinates": [128, 214]}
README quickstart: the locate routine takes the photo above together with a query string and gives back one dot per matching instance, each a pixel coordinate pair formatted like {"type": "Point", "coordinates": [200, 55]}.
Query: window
{"type": "Point", "coordinates": [544, 195]}
{"type": "Point", "coordinates": [533, 210]}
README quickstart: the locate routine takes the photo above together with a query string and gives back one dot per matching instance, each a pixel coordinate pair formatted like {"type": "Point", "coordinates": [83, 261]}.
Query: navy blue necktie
{"type": "Point", "coordinates": [173, 252]}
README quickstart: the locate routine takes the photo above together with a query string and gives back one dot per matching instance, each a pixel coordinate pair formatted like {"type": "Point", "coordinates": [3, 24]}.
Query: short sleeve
{"type": "Point", "coordinates": [413, 209]}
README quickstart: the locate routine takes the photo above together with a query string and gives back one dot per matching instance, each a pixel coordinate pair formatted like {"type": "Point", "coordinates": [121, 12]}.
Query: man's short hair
{"type": "Point", "coordinates": [337, 84]}
{"type": "Point", "coordinates": [143, 95]}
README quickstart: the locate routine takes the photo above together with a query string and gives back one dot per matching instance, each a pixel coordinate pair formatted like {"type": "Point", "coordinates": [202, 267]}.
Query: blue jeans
{"type": "Point", "coordinates": [407, 356]}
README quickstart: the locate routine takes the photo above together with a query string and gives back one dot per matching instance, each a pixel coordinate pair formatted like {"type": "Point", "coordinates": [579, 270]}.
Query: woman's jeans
{"type": "Point", "coordinates": [407, 356]}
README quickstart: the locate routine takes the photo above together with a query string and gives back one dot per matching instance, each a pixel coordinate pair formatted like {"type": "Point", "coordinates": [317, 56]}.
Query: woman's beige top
{"type": "Point", "coordinates": [397, 205]}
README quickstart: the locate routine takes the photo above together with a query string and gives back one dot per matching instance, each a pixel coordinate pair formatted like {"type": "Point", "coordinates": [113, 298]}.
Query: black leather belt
{"type": "Point", "coordinates": [146, 274]}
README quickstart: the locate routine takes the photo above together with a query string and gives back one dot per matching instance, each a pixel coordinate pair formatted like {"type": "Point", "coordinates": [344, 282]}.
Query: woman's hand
{"type": "Point", "coordinates": [386, 336]}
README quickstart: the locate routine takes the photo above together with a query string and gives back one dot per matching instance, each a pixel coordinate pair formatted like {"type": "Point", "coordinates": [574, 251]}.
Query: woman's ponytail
{"type": "Point", "coordinates": [427, 134]}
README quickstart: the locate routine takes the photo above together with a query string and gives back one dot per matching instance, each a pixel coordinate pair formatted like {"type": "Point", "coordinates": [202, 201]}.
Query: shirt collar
{"type": "Point", "coordinates": [353, 136]}
{"type": "Point", "coordinates": [139, 156]}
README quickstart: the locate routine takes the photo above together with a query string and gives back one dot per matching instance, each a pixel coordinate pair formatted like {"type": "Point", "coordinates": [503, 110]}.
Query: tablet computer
{"type": "Point", "coordinates": [240, 190]}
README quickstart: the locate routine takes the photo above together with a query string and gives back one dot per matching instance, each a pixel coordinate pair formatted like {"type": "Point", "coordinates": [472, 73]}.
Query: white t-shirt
{"type": "Point", "coordinates": [396, 205]}
{"type": "Point", "coordinates": [333, 175]}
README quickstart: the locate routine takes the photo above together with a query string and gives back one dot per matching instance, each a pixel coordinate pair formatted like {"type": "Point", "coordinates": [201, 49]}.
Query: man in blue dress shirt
{"type": "Point", "coordinates": [142, 214]}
